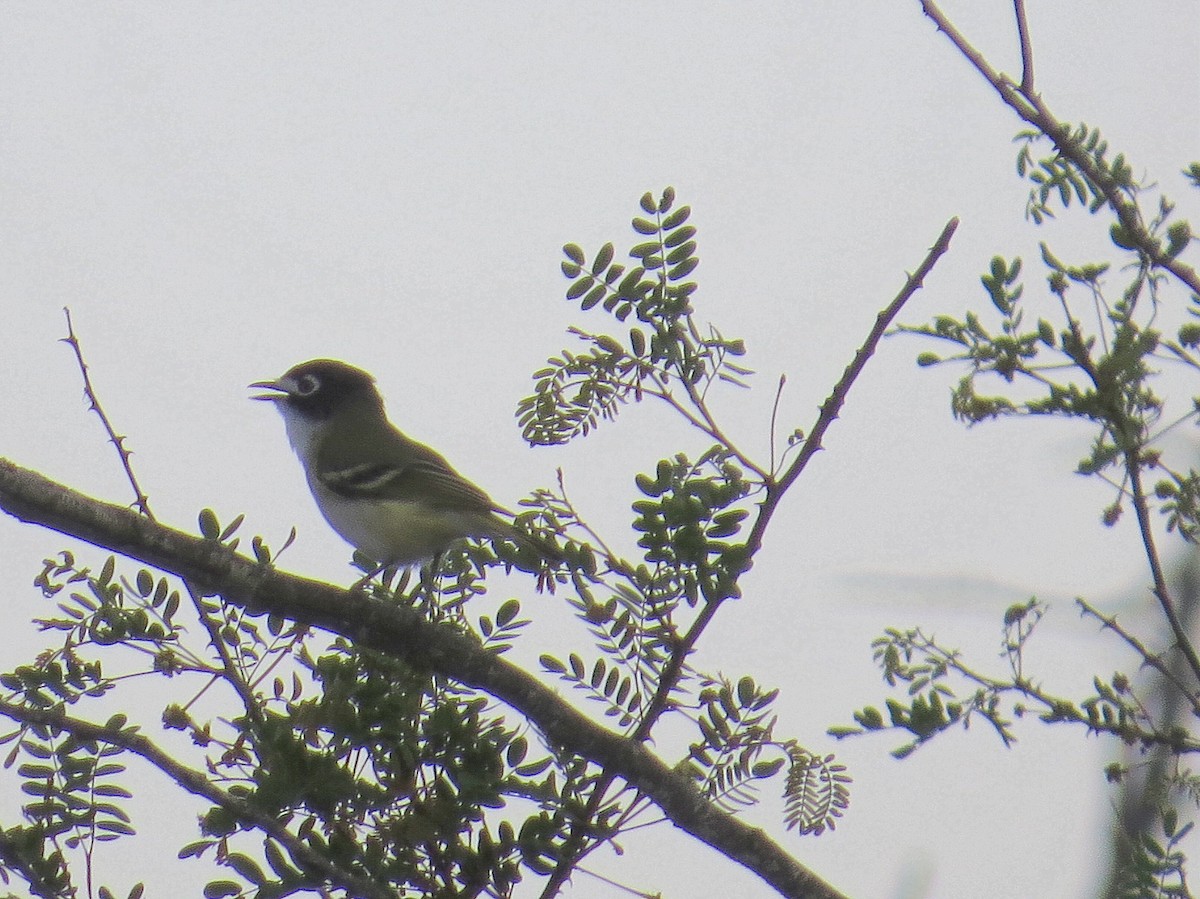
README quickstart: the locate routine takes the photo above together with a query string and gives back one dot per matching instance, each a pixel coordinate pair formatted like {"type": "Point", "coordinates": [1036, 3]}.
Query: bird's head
{"type": "Point", "coordinates": [319, 388]}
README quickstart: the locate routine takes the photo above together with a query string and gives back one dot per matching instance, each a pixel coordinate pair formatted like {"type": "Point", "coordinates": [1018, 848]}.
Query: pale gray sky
{"type": "Point", "coordinates": [221, 190]}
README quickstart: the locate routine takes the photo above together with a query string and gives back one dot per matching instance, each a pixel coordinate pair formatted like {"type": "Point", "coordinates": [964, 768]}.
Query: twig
{"type": "Point", "coordinates": [774, 416]}
{"type": "Point", "coordinates": [1026, 48]}
{"type": "Point", "coordinates": [1056, 707]}
{"type": "Point", "coordinates": [197, 783]}
{"type": "Point", "coordinates": [1030, 107]}
{"type": "Point", "coordinates": [1154, 661]}
{"type": "Point", "coordinates": [834, 402]}
{"type": "Point", "coordinates": [619, 886]}
{"type": "Point", "coordinates": [1133, 472]}
{"type": "Point", "coordinates": [1161, 591]}
{"type": "Point", "coordinates": [405, 634]}
{"type": "Point", "coordinates": [711, 426]}
{"type": "Point", "coordinates": [598, 540]}
{"type": "Point", "coordinates": [812, 444]}
{"type": "Point", "coordinates": [705, 424]}
{"type": "Point", "coordinates": [141, 500]}
{"type": "Point", "coordinates": [142, 504]}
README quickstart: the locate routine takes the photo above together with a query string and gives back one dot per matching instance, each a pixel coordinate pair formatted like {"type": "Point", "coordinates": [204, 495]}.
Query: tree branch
{"type": "Point", "coordinates": [198, 784]}
{"type": "Point", "coordinates": [142, 503]}
{"type": "Point", "coordinates": [837, 398]}
{"type": "Point", "coordinates": [1148, 658]}
{"type": "Point", "coordinates": [1029, 106]}
{"type": "Point", "coordinates": [1161, 591]}
{"type": "Point", "coordinates": [1026, 47]}
{"type": "Point", "coordinates": [403, 633]}
{"type": "Point", "coordinates": [775, 491]}
{"type": "Point", "coordinates": [141, 500]}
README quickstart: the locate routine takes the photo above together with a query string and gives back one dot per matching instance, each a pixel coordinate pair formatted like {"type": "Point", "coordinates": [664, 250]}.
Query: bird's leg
{"type": "Point", "coordinates": [429, 577]}
{"type": "Point", "coordinates": [380, 569]}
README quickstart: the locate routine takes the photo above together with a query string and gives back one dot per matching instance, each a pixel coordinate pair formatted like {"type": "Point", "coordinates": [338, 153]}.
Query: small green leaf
{"type": "Point", "coordinates": [111, 790]}
{"type": "Point", "coordinates": [507, 612]}
{"type": "Point", "coordinates": [196, 849]}
{"type": "Point", "coordinates": [766, 769]}
{"type": "Point", "coordinates": [745, 691]}
{"type": "Point", "coordinates": [1045, 332]}
{"type": "Point", "coordinates": [279, 862]}
{"type": "Point", "coordinates": [232, 527]}
{"type": "Point", "coordinates": [210, 528]}
{"type": "Point", "coordinates": [841, 731]}
{"type": "Point", "coordinates": [682, 252]}
{"type": "Point", "coordinates": [580, 287]}
{"type": "Point", "coordinates": [1121, 237]}
{"type": "Point", "coordinates": [870, 718]}
{"type": "Point", "coordinates": [676, 218]}
{"type": "Point", "coordinates": [598, 670]}
{"type": "Point", "coordinates": [678, 236]}
{"type": "Point", "coordinates": [647, 485]}
{"type": "Point", "coordinates": [246, 867]}
{"type": "Point", "coordinates": [594, 296]}
{"type": "Point", "coordinates": [533, 769]}
{"type": "Point", "coordinates": [684, 268]}
{"type": "Point", "coordinates": [1178, 237]}
{"type": "Point", "coordinates": [637, 341]}
{"type": "Point", "coordinates": [603, 258]}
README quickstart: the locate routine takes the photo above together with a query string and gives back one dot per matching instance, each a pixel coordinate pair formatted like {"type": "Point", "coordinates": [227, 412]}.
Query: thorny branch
{"type": "Point", "coordinates": [574, 847]}
{"type": "Point", "coordinates": [1025, 101]}
{"type": "Point", "coordinates": [142, 504]}
{"type": "Point", "coordinates": [405, 634]}
{"type": "Point", "coordinates": [1028, 104]}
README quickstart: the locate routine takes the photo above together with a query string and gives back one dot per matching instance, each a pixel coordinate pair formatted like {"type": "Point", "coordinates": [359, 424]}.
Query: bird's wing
{"type": "Point", "coordinates": [398, 468]}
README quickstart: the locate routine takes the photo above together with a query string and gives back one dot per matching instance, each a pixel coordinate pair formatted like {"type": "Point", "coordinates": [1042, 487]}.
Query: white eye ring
{"type": "Point", "coordinates": [307, 385]}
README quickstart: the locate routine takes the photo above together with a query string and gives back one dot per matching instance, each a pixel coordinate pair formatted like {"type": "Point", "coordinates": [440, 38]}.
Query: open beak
{"type": "Point", "coordinates": [280, 394]}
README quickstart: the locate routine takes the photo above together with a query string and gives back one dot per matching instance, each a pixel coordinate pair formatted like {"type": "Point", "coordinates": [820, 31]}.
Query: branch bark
{"type": "Point", "coordinates": [402, 633]}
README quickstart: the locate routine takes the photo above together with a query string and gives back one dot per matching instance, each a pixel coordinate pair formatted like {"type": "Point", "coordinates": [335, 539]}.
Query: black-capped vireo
{"type": "Point", "coordinates": [394, 499]}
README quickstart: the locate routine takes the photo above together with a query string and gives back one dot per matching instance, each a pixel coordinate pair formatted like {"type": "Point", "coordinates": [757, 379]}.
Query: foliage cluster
{"type": "Point", "coordinates": [347, 771]}
{"type": "Point", "coordinates": [329, 769]}
{"type": "Point", "coordinates": [1086, 350]}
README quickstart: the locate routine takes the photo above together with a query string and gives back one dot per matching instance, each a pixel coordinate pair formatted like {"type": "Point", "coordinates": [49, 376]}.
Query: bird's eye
{"type": "Point", "coordinates": [307, 385]}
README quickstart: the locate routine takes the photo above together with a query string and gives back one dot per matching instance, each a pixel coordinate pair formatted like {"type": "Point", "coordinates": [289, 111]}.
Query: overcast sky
{"type": "Point", "coordinates": [220, 190]}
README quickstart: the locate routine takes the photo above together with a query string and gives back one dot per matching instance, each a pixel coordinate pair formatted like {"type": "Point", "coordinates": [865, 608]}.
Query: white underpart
{"type": "Point", "coordinates": [302, 434]}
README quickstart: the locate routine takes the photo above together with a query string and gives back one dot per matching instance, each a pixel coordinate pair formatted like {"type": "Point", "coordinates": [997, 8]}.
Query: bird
{"type": "Point", "coordinates": [396, 500]}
